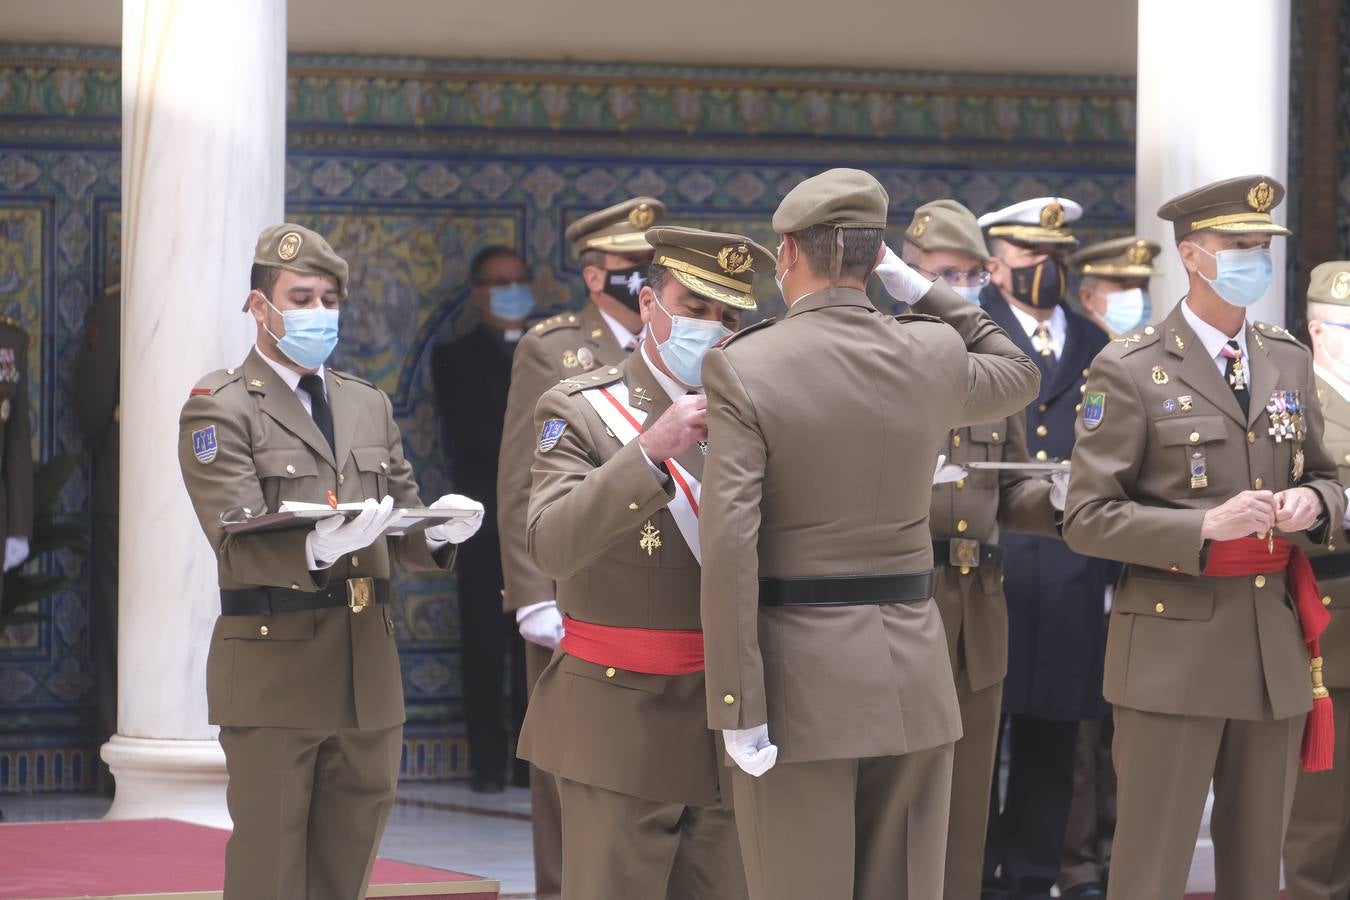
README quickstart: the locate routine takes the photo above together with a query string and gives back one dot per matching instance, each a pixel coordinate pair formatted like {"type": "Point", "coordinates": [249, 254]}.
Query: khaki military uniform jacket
{"type": "Point", "coordinates": [1179, 642]}
{"type": "Point", "coordinates": [326, 668]}
{"type": "Point", "coordinates": [973, 510]}
{"type": "Point", "coordinates": [635, 733]}
{"type": "Point", "coordinates": [1336, 591]}
{"type": "Point", "coordinates": [16, 442]}
{"type": "Point", "coordinates": [823, 431]}
{"type": "Point", "coordinates": [567, 344]}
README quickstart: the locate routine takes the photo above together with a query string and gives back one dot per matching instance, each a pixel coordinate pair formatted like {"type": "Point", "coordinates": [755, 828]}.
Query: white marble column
{"type": "Point", "coordinates": [203, 158]}
{"type": "Point", "coordinates": [1213, 102]}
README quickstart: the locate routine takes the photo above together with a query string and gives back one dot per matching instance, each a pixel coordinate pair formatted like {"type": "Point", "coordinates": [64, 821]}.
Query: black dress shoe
{"type": "Point", "coordinates": [486, 784]}
{"type": "Point", "coordinates": [1089, 891]}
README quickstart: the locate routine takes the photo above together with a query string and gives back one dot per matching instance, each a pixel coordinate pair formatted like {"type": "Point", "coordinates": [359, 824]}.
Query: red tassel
{"type": "Point", "coordinates": [1319, 736]}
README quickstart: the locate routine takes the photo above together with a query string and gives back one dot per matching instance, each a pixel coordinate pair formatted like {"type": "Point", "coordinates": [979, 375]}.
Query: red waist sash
{"type": "Point", "coordinates": [1254, 556]}
{"type": "Point", "coordinates": [652, 651]}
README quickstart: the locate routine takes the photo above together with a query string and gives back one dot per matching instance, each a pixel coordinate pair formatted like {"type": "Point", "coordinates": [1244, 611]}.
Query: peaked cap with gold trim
{"type": "Point", "coordinates": [1330, 283]}
{"type": "Point", "coordinates": [618, 228]}
{"type": "Point", "coordinates": [1239, 205]}
{"type": "Point", "coordinates": [1041, 220]}
{"type": "Point", "coordinates": [1127, 257]}
{"type": "Point", "coordinates": [713, 265]}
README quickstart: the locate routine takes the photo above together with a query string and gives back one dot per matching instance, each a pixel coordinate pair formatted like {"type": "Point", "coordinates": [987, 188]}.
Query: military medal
{"type": "Point", "coordinates": [1159, 376]}
{"type": "Point", "coordinates": [650, 538]}
{"type": "Point", "coordinates": [1186, 401]}
{"type": "Point", "coordinates": [569, 360]}
{"type": "Point", "coordinates": [585, 357]}
{"type": "Point", "coordinates": [703, 447]}
{"type": "Point", "coordinates": [1199, 477]}
{"type": "Point", "coordinates": [4, 410]}
{"type": "Point", "coordinates": [1296, 472]}
{"type": "Point", "coordinates": [1277, 412]}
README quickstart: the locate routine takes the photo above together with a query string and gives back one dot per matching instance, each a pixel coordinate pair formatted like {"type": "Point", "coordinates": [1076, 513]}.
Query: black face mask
{"type": "Point", "coordinates": [1041, 285]}
{"type": "Point", "coordinates": [624, 285]}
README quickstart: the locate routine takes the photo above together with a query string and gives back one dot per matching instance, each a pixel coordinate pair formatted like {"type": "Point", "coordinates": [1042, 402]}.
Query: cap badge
{"type": "Point", "coordinates": [1261, 196]}
{"type": "Point", "coordinates": [920, 225]}
{"type": "Point", "coordinates": [735, 259]}
{"type": "Point", "coordinates": [1340, 285]}
{"type": "Point", "coordinates": [1052, 215]}
{"type": "Point", "coordinates": [642, 217]}
{"type": "Point", "coordinates": [289, 248]}
{"type": "Point", "coordinates": [1138, 255]}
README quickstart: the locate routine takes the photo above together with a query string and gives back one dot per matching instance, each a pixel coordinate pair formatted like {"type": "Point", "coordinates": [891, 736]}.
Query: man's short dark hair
{"type": "Point", "coordinates": [861, 246]}
{"type": "Point", "coordinates": [657, 276]}
{"type": "Point", "coordinates": [592, 258]}
{"type": "Point", "coordinates": [263, 278]}
{"type": "Point", "coordinates": [486, 255]}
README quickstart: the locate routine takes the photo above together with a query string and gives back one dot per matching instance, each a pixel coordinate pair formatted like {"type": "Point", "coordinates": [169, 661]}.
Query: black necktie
{"type": "Point", "coordinates": [318, 406]}
{"type": "Point", "coordinates": [1236, 373]}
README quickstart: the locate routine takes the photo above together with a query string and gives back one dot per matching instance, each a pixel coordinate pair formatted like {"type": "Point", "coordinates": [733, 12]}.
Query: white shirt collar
{"type": "Point", "coordinates": [290, 377]}
{"type": "Point", "coordinates": [1212, 338]}
{"type": "Point", "coordinates": [1334, 380]}
{"type": "Point", "coordinates": [672, 387]}
{"type": "Point", "coordinates": [1058, 325]}
{"type": "Point", "coordinates": [621, 334]}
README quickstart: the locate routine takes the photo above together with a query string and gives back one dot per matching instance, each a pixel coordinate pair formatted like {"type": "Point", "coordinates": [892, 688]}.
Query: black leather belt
{"type": "Point", "coordinates": [1330, 567]}
{"type": "Point", "coordinates": [846, 590]}
{"type": "Point", "coordinates": [962, 553]}
{"type": "Point", "coordinates": [354, 593]}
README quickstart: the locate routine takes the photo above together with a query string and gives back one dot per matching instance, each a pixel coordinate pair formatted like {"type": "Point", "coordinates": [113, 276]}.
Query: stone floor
{"type": "Point", "coordinates": [433, 824]}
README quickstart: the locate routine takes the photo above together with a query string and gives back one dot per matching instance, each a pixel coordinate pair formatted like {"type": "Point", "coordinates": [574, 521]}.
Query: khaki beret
{"type": "Point", "coordinates": [847, 198]}
{"type": "Point", "coordinates": [717, 266]}
{"type": "Point", "coordinates": [297, 249]}
{"type": "Point", "coordinates": [1127, 257]}
{"type": "Point", "coordinates": [946, 225]}
{"type": "Point", "coordinates": [1239, 205]}
{"type": "Point", "coordinates": [617, 229]}
{"type": "Point", "coordinates": [1040, 220]}
{"type": "Point", "coordinates": [1330, 283]}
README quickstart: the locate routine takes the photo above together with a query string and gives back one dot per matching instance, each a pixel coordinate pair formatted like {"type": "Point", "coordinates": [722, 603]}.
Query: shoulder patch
{"type": "Point", "coordinates": [204, 445]}
{"type": "Point", "coordinates": [212, 383]}
{"type": "Point", "coordinates": [552, 433]}
{"type": "Point", "coordinates": [584, 380]}
{"type": "Point", "coordinates": [917, 317]}
{"type": "Point", "coordinates": [1094, 409]}
{"type": "Point", "coordinates": [554, 323]}
{"type": "Point", "coordinates": [758, 326]}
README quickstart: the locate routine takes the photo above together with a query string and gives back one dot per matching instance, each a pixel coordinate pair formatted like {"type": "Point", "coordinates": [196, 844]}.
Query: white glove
{"type": "Point", "coordinates": [1059, 490]}
{"type": "Point", "coordinates": [900, 281]}
{"type": "Point", "coordinates": [1345, 522]}
{"type": "Point", "coordinates": [541, 624]}
{"type": "Point", "coordinates": [455, 531]}
{"type": "Point", "coordinates": [335, 537]}
{"type": "Point", "coordinates": [751, 749]}
{"type": "Point", "coordinates": [16, 551]}
{"type": "Point", "coordinates": [946, 474]}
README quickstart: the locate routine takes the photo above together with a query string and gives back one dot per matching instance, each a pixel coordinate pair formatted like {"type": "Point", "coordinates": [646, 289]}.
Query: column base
{"type": "Point", "coordinates": [165, 779]}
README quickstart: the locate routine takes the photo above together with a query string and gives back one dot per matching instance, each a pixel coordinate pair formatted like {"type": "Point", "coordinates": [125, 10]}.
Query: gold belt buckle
{"type": "Point", "coordinates": [964, 553]}
{"type": "Point", "coordinates": [360, 593]}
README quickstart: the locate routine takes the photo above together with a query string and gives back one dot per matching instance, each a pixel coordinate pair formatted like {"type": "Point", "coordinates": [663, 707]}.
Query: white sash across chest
{"type": "Point", "coordinates": [611, 404]}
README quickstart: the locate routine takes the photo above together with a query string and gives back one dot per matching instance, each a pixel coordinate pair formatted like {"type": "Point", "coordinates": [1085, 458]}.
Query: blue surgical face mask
{"type": "Point", "coordinates": [690, 339]}
{"type": "Point", "coordinates": [511, 302]}
{"type": "Point", "coordinates": [311, 334]}
{"type": "Point", "coordinates": [1243, 276]}
{"type": "Point", "coordinates": [1340, 364]}
{"type": "Point", "coordinates": [970, 291]}
{"type": "Point", "coordinates": [1126, 310]}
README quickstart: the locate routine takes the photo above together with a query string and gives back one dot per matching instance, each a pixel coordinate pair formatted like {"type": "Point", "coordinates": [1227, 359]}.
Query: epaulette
{"type": "Point", "coordinates": [1131, 342]}
{"type": "Point", "coordinates": [599, 378]}
{"type": "Point", "coordinates": [348, 376]}
{"type": "Point", "coordinates": [758, 326]}
{"type": "Point", "coordinates": [916, 317]}
{"type": "Point", "coordinates": [1279, 332]}
{"type": "Point", "coordinates": [562, 320]}
{"type": "Point", "coordinates": [213, 382]}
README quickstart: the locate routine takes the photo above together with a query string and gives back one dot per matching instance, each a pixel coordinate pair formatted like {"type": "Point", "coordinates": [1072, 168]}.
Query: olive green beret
{"type": "Point", "coordinates": [1239, 205]}
{"type": "Point", "coordinates": [717, 266]}
{"type": "Point", "coordinates": [946, 225]}
{"type": "Point", "coordinates": [618, 228]}
{"type": "Point", "coordinates": [847, 198]}
{"type": "Point", "coordinates": [1127, 257]}
{"type": "Point", "coordinates": [297, 249]}
{"type": "Point", "coordinates": [1330, 283]}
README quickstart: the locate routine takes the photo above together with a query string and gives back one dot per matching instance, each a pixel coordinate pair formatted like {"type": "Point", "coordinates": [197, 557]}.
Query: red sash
{"type": "Point", "coordinates": [652, 651]}
{"type": "Point", "coordinates": [1254, 556]}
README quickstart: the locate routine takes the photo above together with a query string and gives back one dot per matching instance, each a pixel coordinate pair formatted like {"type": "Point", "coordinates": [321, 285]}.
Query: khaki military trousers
{"type": "Point", "coordinates": [308, 808]}
{"type": "Point", "coordinates": [1164, 764]}
{"type": "Point", "coordinates": [617, 847]}
{"type": "Point", "coordinates": [545, 813]}
{"type": "Point", "coordinates": [866, 829]}
{"type": "Point", "coordinates": [1092, 814]}
{"type": "Point", "coordinates": [972, 772]}
{"type": "Point", "coordinates": [1317, 844]}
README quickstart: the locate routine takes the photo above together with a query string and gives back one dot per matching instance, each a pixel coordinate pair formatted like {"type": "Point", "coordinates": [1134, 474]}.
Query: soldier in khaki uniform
{"type": "Point", "coordinates": [16, 444]}
{"type": "Point", "coordinates": [614, 256]}
{"type": "Point", "coordinates": [1199, 457]}
{"type": "Point", "coordinates": [1317, 845]}
{"type": "Point", "coordinates": [302, 675]}
{"type": "Point", "coordinates": [1113, 281]}
{"type": "Point", "coordinates": [618, 716]}
{"type": "Point", "coordinates": [944, 241]}
{"type": "Point", "coordinates": [827, 663]}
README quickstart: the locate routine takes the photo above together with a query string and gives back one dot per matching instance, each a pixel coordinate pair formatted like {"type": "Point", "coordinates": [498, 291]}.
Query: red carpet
{"type": "Point", "coordinates": [150, 858]}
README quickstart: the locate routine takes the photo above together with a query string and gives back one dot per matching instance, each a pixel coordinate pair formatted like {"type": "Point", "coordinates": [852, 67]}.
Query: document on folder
{"type": "Point", "coordinates": [298, 514]}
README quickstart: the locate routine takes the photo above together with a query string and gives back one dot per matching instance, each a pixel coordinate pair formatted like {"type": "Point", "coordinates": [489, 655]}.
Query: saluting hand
{"type": "Point", "coordinates": [677, 429]}
{"type": "Point", "coordinates": [1297, 509]}
{"type": "Point", "coordinates": [1250, 512]}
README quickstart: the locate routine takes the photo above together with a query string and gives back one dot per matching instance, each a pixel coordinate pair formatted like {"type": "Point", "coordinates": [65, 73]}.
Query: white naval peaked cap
{"type": "Point", "coordinates": [1040, 220]}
